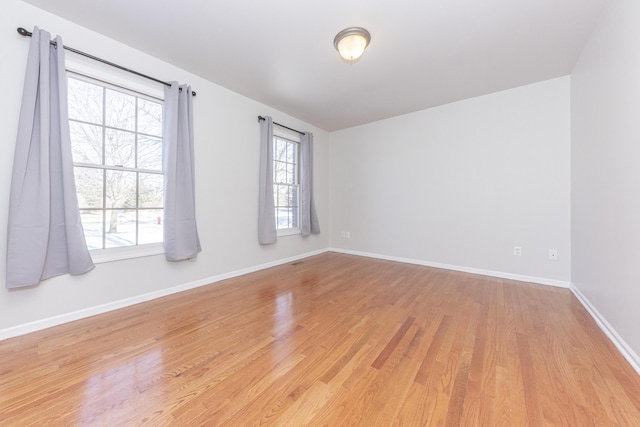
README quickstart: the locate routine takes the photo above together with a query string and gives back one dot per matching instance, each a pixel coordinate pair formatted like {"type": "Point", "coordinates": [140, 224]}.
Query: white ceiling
{"type": "Point", "coordinates": [423, 53]}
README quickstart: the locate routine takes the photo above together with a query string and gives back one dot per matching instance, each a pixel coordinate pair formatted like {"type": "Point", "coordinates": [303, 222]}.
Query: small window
{"type": "Point", "coordinates": [116, 139]}
{"type": "Point", "coordinates": [286, 184]}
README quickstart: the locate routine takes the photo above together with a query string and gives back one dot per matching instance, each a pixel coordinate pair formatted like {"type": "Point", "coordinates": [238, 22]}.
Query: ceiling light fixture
{"type": "Point", "coordinates": [351, 43]}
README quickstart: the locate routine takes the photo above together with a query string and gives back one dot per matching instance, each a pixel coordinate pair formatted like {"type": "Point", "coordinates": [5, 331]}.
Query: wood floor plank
{"type": "Point", "coordinates": [334, 340]}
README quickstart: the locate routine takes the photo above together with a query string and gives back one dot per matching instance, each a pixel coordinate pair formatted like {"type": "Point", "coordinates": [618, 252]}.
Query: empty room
{"type": "Point", "coordinates": [320, 213]}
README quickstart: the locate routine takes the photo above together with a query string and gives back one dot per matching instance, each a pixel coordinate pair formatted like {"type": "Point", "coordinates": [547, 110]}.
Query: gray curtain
{"type": "Point", "coordinates": [308, 216]}
{"type": "Point", "coordinates": [44, 234]}
{"type": "Point", "coordinates": [181, 239]}
{"type": "Point", "coordinates": [266, 209]}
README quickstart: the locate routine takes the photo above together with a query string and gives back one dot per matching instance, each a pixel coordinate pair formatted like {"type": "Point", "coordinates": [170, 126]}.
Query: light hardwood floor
{"type": "Point", "coordinates": [334, 340]}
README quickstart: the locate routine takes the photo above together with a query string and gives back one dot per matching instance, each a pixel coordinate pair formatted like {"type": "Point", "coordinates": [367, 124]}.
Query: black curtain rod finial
{"type": "Point", "coordinates": [24, 32]}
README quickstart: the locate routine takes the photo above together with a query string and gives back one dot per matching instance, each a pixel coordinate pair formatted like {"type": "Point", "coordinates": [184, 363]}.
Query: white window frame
{"type": "Point", "coordinates": [123, 81]}
{"type": "Point", "coordinates": [294, 138]}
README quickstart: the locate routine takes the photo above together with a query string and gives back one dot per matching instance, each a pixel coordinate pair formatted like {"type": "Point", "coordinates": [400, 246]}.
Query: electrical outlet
{"type": "Point", "coordinates": [517, 250]}
{"type": "Point", "coordinates": [348, 234]}
{"type": "Point", "coordinates": [553, 254]}
{"type": "Point", "coordinates": [343, 234]}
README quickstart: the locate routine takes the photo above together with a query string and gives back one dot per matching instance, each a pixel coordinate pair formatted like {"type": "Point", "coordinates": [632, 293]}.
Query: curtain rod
{"type": "Point", "coordinates": [26, 33]}
{"type": "Point", "coordinates": [260, 118]}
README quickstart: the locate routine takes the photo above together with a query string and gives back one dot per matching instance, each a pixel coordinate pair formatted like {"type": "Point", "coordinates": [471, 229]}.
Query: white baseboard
{"type": "Point", "coordinates": [608, 330]}
{"type": "Point", "coordinates": [115, 305]}
{"type": "Point", "coordinates": [502, 275]}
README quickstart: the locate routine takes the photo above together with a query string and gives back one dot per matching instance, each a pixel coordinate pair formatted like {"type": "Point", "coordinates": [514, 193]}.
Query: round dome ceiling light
{"type": "Point", "coordinates": [351, 43]}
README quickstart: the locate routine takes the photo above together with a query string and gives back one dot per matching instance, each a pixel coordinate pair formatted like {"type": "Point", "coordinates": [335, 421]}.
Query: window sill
{"type": "Point", "coordinates": [100, 256]}
{"type": "Point", "coordinates": [288, 232]}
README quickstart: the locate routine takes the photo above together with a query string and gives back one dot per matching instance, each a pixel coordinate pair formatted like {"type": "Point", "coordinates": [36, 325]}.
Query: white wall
{"type": "Point", "coordinates": [227, 153]}
{"type": "Point", "coordinates": [605, 103]}
{"type": "Point", "coordinates": [461, 184]}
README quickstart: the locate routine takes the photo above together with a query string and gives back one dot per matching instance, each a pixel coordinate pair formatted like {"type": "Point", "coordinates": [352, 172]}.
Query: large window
{"type": "Point", "coordinates": [116, 137]}
{"type": "Point", "coordinates": [286, 184]}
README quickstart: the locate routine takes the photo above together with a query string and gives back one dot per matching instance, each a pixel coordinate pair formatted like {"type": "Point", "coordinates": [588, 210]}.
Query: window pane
{"type": "Point", "coordinates": [86, 143]}
{"type": "Point", "coordinates": [280, 150]}
{"type": "Point", "coordinates": [280, 172]}
{"type": "Point", "coordinates": [150, 190]}
{"type": "Point", "coordinates": [149, 117]}
{"type": "Point", "coordinates": [293, 196]}
{"type": "Point", "coordinates": [85, 101]}
{"type": "Point", "coordinates": [150, 226]}
{"type": "Point", "coordinates": [283, 195]}
{"type": "Point", "coordinates": [120, 110]}
{"type": "Point", "coordinates": [92, 222]}
{"type": "Point", "coordinates": [89, 185]}
{"type": "Point", "coordinates": [119, 148]}
{"type": "Point", "coordinates": [149, 153]}
{"type": "Point", "coordinates": [120, 228]}
{"type": "Point", "coordinates": [291, 152]}
{"type": "Point", "coordinates": [283, 218]}
{"type": "Point", "coordinates": [120, 189]}
{"type": "Point", "coordinates": [291, 173]}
